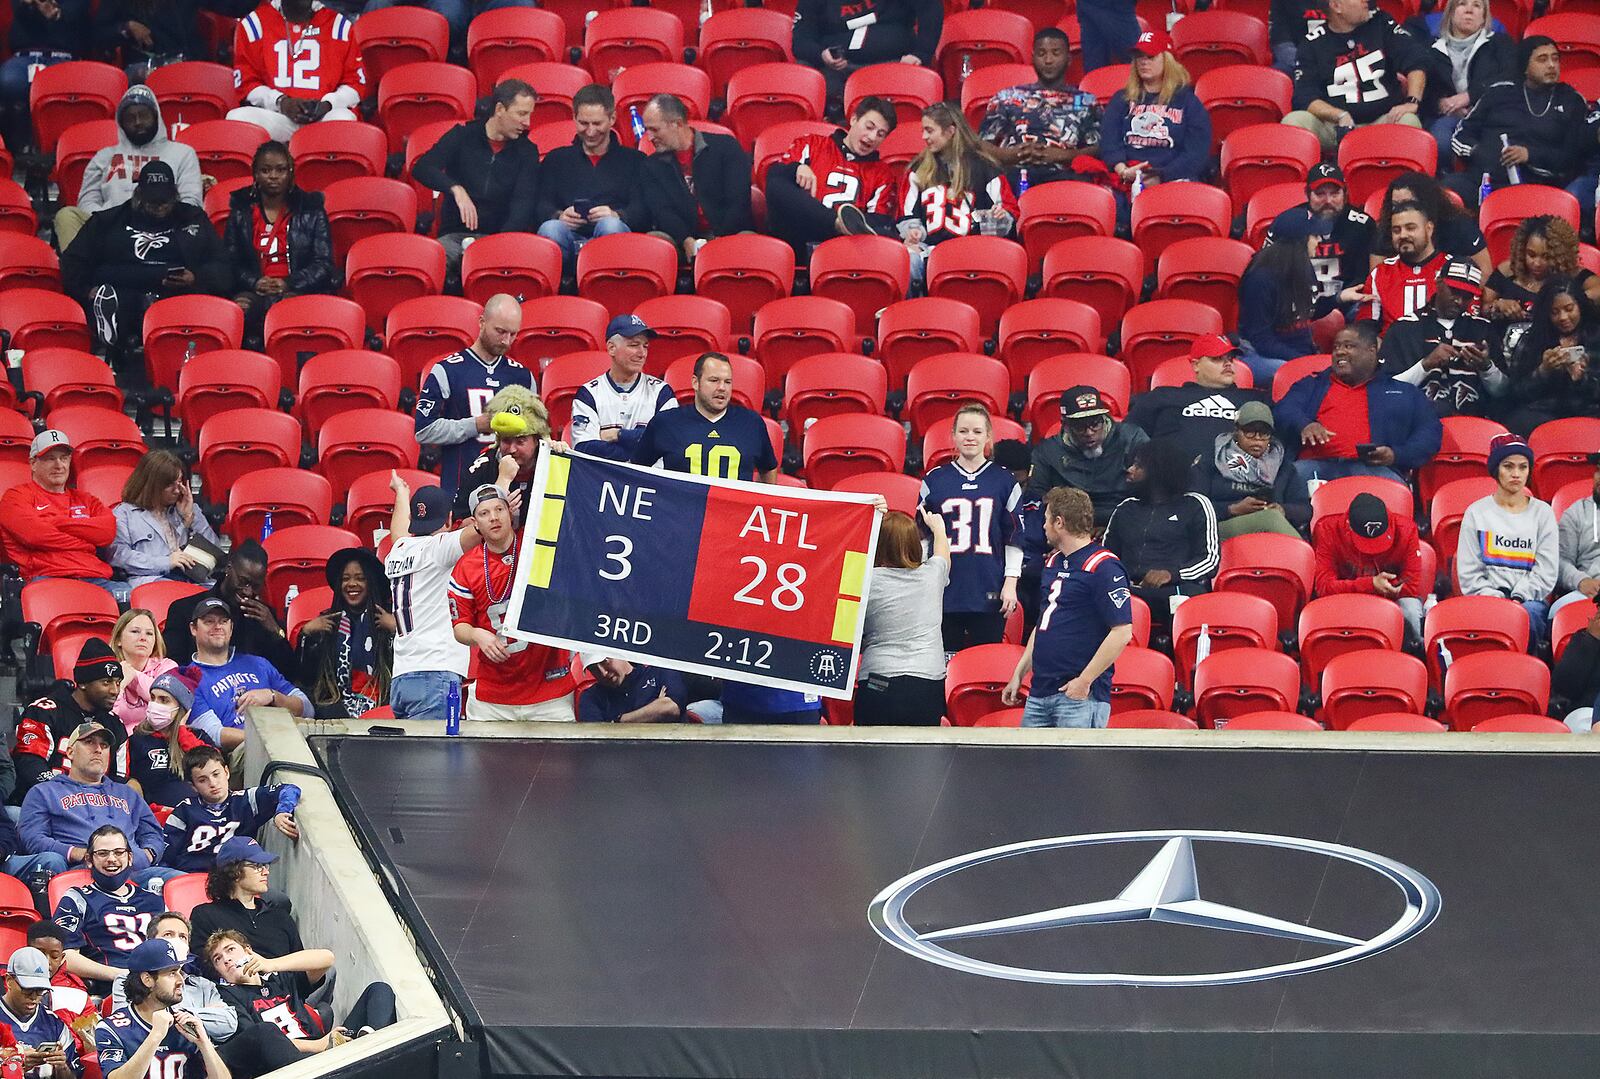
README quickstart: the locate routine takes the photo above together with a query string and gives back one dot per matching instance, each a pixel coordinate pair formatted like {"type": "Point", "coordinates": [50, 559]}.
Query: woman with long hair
{"type": "Point", "coordinates": [157, 745]}
{"type": "Point", "coordinates": [347, 652]}
{"type": "Point", "coordinates": [1277, 295]}
{"type": "Point", "coordinates": [955, 187]}
{"type": "Point", "coordinates": [1543, 247]}
{"type": "Point", "coordinates": [1465, 58]}
{"type": "Point", "coordinates": [155, 521]}
{"type": "Point", "coordinates": [1555, 371]}
{"type": "Point", "coordinates": [901, 677]}
{"type": "Point", "coordinates": [137, 642]}
{"type": "Point", "coordinates": [1156, 126]}
{"type": "Point", "coordinates": [1455, 232]}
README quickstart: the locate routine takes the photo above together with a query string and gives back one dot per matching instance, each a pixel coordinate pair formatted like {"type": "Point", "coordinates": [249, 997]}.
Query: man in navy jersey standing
{"type": "Point", "coordinates": [716, 437]}
{"type": "Point", "coordinates": [1085, 622]}
{"type": "Point", "coordinates": [152, 1031]}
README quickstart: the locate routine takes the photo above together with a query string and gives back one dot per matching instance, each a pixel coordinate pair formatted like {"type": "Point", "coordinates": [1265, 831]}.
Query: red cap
{"type": "Point", "coordinates": [1212, 345]}
{"type": "Point", "coordinates": [1153, 42]}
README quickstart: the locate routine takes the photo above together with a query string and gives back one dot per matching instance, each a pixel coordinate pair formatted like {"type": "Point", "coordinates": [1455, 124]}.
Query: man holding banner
{"type": "Point", "coordinates": [716, 437]}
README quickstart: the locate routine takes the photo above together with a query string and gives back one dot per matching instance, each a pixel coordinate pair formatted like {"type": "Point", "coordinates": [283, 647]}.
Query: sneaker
{"type": "Point", "coordinates": [853, 221]}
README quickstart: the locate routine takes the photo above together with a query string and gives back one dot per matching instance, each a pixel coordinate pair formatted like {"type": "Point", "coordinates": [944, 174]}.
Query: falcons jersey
{"type": "Point", "coordinates": [106, 926]}
{"type": "Point", "coordinates": [277, 1001]}
{"type": "Point", "coordinates": [44, 735]}
{"type": "Point", "coordinates": [942, 215]}
{"type": "Point", "coordinates": [844, 176]}
{"type": "Point", "coordinates": [119, 1037]}
{"type": "Point", "coordinates": [1345, 256]}
{"type": "Point", "coordinates": [1359, 71]}
{"type": "Point", "coordinates": [195, 828]}
{"type": "Point", "coordinates": [418, 568]}
{"type": "Point", "coordinates": [480, 594]}
{"type": "Point", "coordinates": [979, 510]}
{"type": "Point", "coordinates": [1401, 288]}
{"type": "Point", "coordinates": [312, 61]}
{"type": "Point", "coordinates": [601, 404]}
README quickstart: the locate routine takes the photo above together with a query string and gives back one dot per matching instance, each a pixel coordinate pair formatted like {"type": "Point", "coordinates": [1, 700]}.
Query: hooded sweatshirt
{"type": "Point", "coordinates": [61, 813]}
{"type": "Point", "coordinates": [1507, 554]}
{"type": "Point", "coordinates": [1579, 532]}
{"type": "Point", "coordinates": [112, 173]}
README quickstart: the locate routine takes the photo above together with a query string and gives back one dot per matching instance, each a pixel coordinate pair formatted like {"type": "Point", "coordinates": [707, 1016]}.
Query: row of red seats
{"type": "Point", "coordinates": [1151, 719]}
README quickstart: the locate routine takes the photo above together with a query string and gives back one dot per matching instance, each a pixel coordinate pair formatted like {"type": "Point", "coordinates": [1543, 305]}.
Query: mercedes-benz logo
{"type": "Point", "coordinates": [1167, 889]}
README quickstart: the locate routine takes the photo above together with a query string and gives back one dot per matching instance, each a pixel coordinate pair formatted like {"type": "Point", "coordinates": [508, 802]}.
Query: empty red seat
{"type": "Point", "coordinates": [1279, 569]}
{"type": "Point", "coordinates": [393, 37]}
{"type": "Point", "coordinates": [28, 262]}
{"type": "Point", "coordinates": [908, 88]}
{"type": "Point", "coordinates": [1149, 719]}
{"type": "Point", "coordinates": [517, 264]}
{"type": "Point", "coordinates": [68, 376]}
{"type": "Point", "coordinates": [684, 326]}
{"type": "Point", "coordinates": [381, 271]}
{"type": "Point", "coordinates": [363, 440]}
{"type": "Point", "coordinates": [744, 272]}
{"type": "Point", "coordinates": [363, 206]}
{"type": "Point", "coordinates": [939, 385]}
{"type": "Point", "coordinates": [106, 481]}
{"type": "Point", "coordinates": [1372, 682]}
{"type": "Point", "coordinates": [1239, 681]}
{"type": "Point", "coordinates": [192, 92]}
{"type": "Point", "coordinates": [1103, 272]}
{"type": "Point", "coordinates": [1396, 722]}
{"type": "Point", "coordinates": [1206, 40]}
{"type": "Point", "coordinates": [75, 149]}
{"type": "Point", "coordinates": [560, 381]}
{"type": "Point", "coordinates": [1561, 450]}
{"type": "Point", "coordinates": [16, 209]}
{"type": "Point", "coordinates": [298, 556]}
{"type": "Point", "coordinates": [912, 330]}
{"type": "Point", "coordinates": [1271, 721]}
{"type": "Point", "coordinates": [1142, 679]}
{"type": "Point", "coordinates": [1227, 621]}
{"type": "Point", "coordinates": [987, 272]}
{"type": "Point", "coordinates": [556, 325]}
{"type": "Point", "coordinates": [1060, 211]}
{"type": "Point", "coordinates": [1372, 156]}
{"type": "Point", "coordinates": [301, 327]}
{"type": "Point", "coordinates": [1463, 453]}
{"type": "Point", "coordinates": [736, 39]}
{"type": "Point", "coordinates": [1265, 205]}
{"type": "Point", "coordinates": [16, 436]}
{"type": "Point", "coordinates": [1205, 269]}
{"type": "Point", "coordinates": [60, 606]}
{"type": "Point", "coordinates": [1104, 83]}
{"type": "Point", "coordinates": [500, 39]}
{"type": "Point", "coordinates": [1159, 330]}
{"type": "Point", "coordinates": [36, 318]}
{"type": "Point", "coordinates": [61, 95]}
{"type": "Point", "coordinates": [973, 40]}
{"type": "Point", "coordinates": [292, 496]}
{"type": "Point", "coordinates": [1464, 626]}
{"type": "Point", "coordinates": [327, 153]}
{"type": "Point", "coordinates": [832, 384]}
{"type": "Point", "coordinates": [1448, 507]}
{"type": "Point", "coordinates": [866, 273]}
{"type": "Point", "coordinates": [901, 491]}
{"type": "Point", "coordinates": [836, 447]}
{"type": "Point", "coordinates": [420, 93]}
{"type": "Point", "coordinates": [764, 95]}
{"type": "Point", "coordinates": [157, 596]}
{"type": "Point", "coordinates": [1334, 625]}
{"type": "Point", "coordinates": [226, 379]}
{"type": "Point", "coordinates": [1240, 95]}
{"type": "Point", "coordinates": [622, 271]}
{"type": "Point", "coordinates": [427, 328]}
{"type": "Point", "coordinates": [178, 328]}
{"type": "Point", "coordinates": [343, 380]}
{"type": "Point", "coordinates": [1483, 686]}
{"type": "Point", "coordinates": [618, 38]}
{"type": "Point", "coordinates": [974, 679]}
{"type": "Point", "coordinates": [1033, 330]}
{"type": "Point", "coordinates": [1166, 213]}
{"type": "Point", "coordinates": [1521, 724]}
{"type": "Point", "coordinates": [245, 440]}
{"type": "Point", "coordinates": [1577, 38]}
{"type": "Point", "coordinates": [226, 148]}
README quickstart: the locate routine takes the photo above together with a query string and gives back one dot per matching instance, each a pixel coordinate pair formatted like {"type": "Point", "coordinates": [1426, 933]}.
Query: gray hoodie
{"type": "Point", "coordinates": [1580, 543]}
{"type": "Point", "coordinates": [112, 173]}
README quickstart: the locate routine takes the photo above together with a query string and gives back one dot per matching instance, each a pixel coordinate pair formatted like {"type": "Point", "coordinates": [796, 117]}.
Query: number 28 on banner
{"type": "Point", "coordinates": [759, 583]}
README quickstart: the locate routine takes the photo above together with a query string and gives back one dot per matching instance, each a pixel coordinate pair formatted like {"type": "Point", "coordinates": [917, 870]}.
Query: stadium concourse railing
{"type": "Point", "coordinates": [340, 906]}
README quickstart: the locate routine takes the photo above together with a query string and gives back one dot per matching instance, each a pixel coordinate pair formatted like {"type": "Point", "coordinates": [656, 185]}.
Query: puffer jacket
{"type": "Point", "coordinates": [1104, 477]}
{"type": "Point", "coordinates": [311, 265]}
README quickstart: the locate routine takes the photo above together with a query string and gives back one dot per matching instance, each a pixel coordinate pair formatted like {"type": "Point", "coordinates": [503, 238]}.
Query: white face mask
{"type": "Point", "coordinates": [180, 948]}
{"type": "Point", "coordinates": [160, 715]}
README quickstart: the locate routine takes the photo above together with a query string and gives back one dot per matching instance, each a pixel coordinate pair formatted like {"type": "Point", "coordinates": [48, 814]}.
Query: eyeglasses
{"type": "Point", "coordinates": [115, 852]}
{"type": "Point", "coordinates": [260, 866]}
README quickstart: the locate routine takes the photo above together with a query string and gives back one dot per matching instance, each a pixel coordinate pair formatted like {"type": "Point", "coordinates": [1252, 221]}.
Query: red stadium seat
{"type": "Point", "coordinates": [67, 376]}
{"type": "Point", "coordinates": [61, 883]}
{"type": "Point", "coordinates": [973, 40]}
{"type": "Point", "coordinates": [1296, 369]}
{"type": "Point", "coordinates": [1279, 569]}
{"type": "Point", "coordinates": [684, 326]}
{"type": "Point", "coordinates": [1561, 451]}
{"type": "Point", "coordinates": [559, 383]}
{"type": "Point", "coordinates": [837, 447]}
{"type": "Point", "coordinates": [1463, 453]}
{"type": "Point", "coordinates": [157, 596]}
{"type": "Point", "coordinates": [106, 481]}
{"type": "Point", "coordinates": [974, 679]}
{"type": "Point", "coordinates": [1241, 95]}
{"type": "Point", "coordinates": [217, 201]}
{"type": "Point", "coordinates": [744, 272]}
{"type": "Point", "coordinates": [1052, 377]}
{"type": "Point", "coordinates": [60, 606]}
{"type": "Point", "coordinates": [1205, 269]}
{"type": "Point", "coordinates": [1142, 680]}
{"type": "Point", "coordinates": [305, 326]}
{"type": "Point", "coordinates": [939, 385]}
{"type": "Point", "coordinates": [1397, 722]}
{"type": "Point", "coordinates": [1346, 622]}
{"type": "Point", "coordinates": [1060, 211]}
{"type": "Point", "coordinates": [37, 318]}
{"type": "Point", "coordinates": [901, 145]}
{"type": "Point", "coordinates": [1372, 156]}
{"type": "Point", "coordinates": [192, 92]}
{"type": "Point", "coordinates": [293, 496]}
{"type": "Point", "coordinates": [988, 272]}
{"type": "Point", "coordinates": [1034, 330]}
{"type": "Point", "coordinates": [369, 501]}
{"type": "Point", "coordinates": [978, 90]}
{"type": "Point", "coordinates": [622, 271]}
{"type": "Point", "coordinates": [1004, 717]}
{"type": "Point", "coordinates": [363, 440]}
{"type": "Point", "coordinates": [100, 436]}
{"type": "Point", "coordinates": [1577, 38]}
{"type": "Point", "coordinates": [1272, 721]}
{"type": "Point", "coordinates": [635, 86]}
{"type": "Point", "coordinates": [70, 93]}
{"type": "Point", "coordinates": [222, 380]}
{"type": "Point", "coordinates": [1570, 620]}
{"type": "Point", "coordinates": [28, 262]}
{"type": "Point", "coordinates": [1469, 625]}
{"type": "Point", "coordinates": [1105, 82]}
{"type": "Point", "coordinates": [427, 328]}
{"type": "Point", "coordinates": [619, 38]}
{"type": "Point", "coordinates": [1372, 682]}
{"type": "Point", "coordinates": [16, 209]}
{"type": "Point", "coordinates": [1149, 719]}
{"type": "Point", "coordinates": [939, 444]}
{"type": "Point", "coordinates": [363, 206]}
{"type": "Point", "coordinates": [1103, 272]}
{"type": "Point", "coordinates": [912, 330]}
{"type": "Point", "coordinates": [1240, 681]}
{"type": "Point", "coordinates": [299, 556]}
{"type": "Point", "coordinates": [1204, 41]}
{"type": "Point", "coordinates": [1159, 330]}
{"type": "Point", "coordinates": [245, 440]}
{"type": "Point", "coordinates": [1166, 213]}
{"type": "Point", "coordinates": [518, 264]}
{"type": "Point", "coordinates": [736, 39]}
{"type": "Point", "coordinates": [346, 379]}
{"type": "Point", "coordinates": [419, 142]}
{"type": "Point", "coordinates": [901, 491]}
{"type": "Point", "coordinates": [16, 436]}
{"type": "Point", "coordinates": [308, 604]}
{"type": "Point", "coordinates": [226, 148]}
{"type": "Point", "coordinates": [1178, 371]}
{"type": "Point", "coordinates": [501, 39]}
{"type": "Point", "coordinates": [421, 93]}
{"type": "Point", "coordinates": [867, 273]}
{"type": "Point", "coordinates": [908, 88]}
{"type": "Point", "coordinates": [774, 140]}
{"type": "Point", "coordinates": [1567, 494]}
{"type": "Point", "coordinates": [749, 381]}
{"type": "Point", "coordinates": [1228, 620]}
{"type": "Point", "coordinates": [183, 894]}
{"type": "Point", "coordinates": [557, 325]}
{"type": "Point", "coordinates": [1521, 724]}
{"type": "Point", "coordinates": [382, 271]}
{"type": "Point", "coordinates": [1335, 496]}
{"type": "Point", "coordinates": [76, 148]}
{"type": "Point", "coordinates": [764, 95]}
{"type": "Point", "coordinates": [557, 82]}
{"type": "Point", "coordinates": [789, 330]}
{"type": "Point", "coordinates": [832, 384]}
{"type": "Point", "coordinates": [1483, 686]}
{"type": "Point", "coordinates": [1267, 204]}
{"type": "Point", "coordinates": [394, 37]}
{"type": "Point", "coordinates": [1448, 506]}
{"type": "Point", "coordinates": [324, 154]}
{"type": "Point", "coordinates": [1505, 209]}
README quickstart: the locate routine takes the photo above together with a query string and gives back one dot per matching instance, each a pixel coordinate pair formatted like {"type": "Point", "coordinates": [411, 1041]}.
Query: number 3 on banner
{"type": "Point", "coordinates": [620, 557]}
{"type": "Point", "coordinates": [786, 596]}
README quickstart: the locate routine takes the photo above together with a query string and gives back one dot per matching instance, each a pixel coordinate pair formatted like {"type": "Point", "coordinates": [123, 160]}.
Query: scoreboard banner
{"type": "Point", "coordinates": [747, 581]}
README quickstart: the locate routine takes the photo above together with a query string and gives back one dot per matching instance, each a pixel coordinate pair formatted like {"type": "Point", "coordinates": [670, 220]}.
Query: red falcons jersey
{"type": "Point", "coordinates": [944, 216]}
{"type": "Point", "coordinates": [844, 176]}
{"type": "Point", "coordinates": [304, 60]}
{"type": "Point", "coordinates": [1402, 289]}
{"type": "Point", "coordinates": [480, 594]}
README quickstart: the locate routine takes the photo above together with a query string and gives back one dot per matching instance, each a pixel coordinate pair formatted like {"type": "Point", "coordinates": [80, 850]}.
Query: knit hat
{"type": "Point", "coordinates": [1368, 518]}
{"type": "Point", "coordinates": [177, 687]}
{"type": "Point", "coordinates": [1012, 455]}
{"type": "Point", "coordinates": [96, 660]}
{"type": "Point", "coordinates": [1503, 446]}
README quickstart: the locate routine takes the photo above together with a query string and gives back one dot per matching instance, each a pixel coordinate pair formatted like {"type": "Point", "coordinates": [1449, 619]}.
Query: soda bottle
{"type": "Point", "coordinates": [638, 123]}
{"type": "Point", "coordinates": [1484, 188]}
{"type": "Point", "coordinates": [266, 525]}
{"type": "Point", "coordinates": [1022, 182]}
{"type": "Point", "coordinates": [452, 709]}
{"type": "Point", "coordinates": [966, 66]}
{"type": "Point", "coordinates": [705, 12]}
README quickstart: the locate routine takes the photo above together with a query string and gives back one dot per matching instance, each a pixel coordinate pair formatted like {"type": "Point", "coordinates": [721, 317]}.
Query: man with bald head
{"type": "Point", "coordinates": [450, 410]}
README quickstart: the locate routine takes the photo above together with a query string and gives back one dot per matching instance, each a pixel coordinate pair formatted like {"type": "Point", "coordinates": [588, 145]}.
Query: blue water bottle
{"type": "Point", "coordinates": [1484, 188]}
{"type": "Point", "coordinates": [638, 123]}
{"type": "Point", "coordinates": [1022, 182]}
{"type": "Point", "coordinates": [452, 709]}
{"type": "Point", "coordinates": [266, 525]}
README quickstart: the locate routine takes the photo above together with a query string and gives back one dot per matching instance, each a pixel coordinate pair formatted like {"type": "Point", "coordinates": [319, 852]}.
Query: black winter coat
{"type": "Point", "coordinates": [311, 265]}
{"type": "Point", "coordinates": [721, 190]}
{"type": "Point", "coordinates": [1288, 489]}
{"type": "Point", "coordinates": [504, 186]}
{"type": "Point", "coordinates": [1495, 61]}
{"type": "Point", "coordinates": [115, 249]}
{"type": "Point", "coordinates": [901, 27]}
{"type": "Point", "coordinates": [566, 173]}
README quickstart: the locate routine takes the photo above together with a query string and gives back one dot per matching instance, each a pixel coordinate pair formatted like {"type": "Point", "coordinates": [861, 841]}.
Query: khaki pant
{"type": "Point", "coordinates": [1328, 134]}
{"type": "Point", "coordinates": [1259, 521]}
{"type": "Point", "coordinates": [69, 220]}
{"type": "Point", "coordinates": [559, 710]}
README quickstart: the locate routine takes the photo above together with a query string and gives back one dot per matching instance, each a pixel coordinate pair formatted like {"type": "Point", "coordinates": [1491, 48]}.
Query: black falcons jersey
{"type": "Point", "coordinates": [1345, 257]}
{"type": "Point", "coordinates": [1360, 71]}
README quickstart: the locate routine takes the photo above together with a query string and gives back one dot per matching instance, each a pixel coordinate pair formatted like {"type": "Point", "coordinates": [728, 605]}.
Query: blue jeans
{"type": "Point", "coordinates": [14, 76]}
{"type": "Point", "coordinates": [20, 865]}
{"type": "Point", "coordinates": [1443, 130]}
{"type": "Point", "coordinates": [1336, 468]}
{"type": "Point", "coordinates": [571, 240]}
{"type": "Point", "coordinates": [1538, 622]}
{"type": "Point", "coordinates": [1060, 710]}
{"type": "Point", "coordinates": [458, 13]}
{"type": "Point", "coordinates": [1261, 367]}
{"type": "Point", "coordinates": [1285, 55]}
{"type": "Point", "coordinates": [1583, 189]}
{"type": "Point", "coordinates": [1109, 29]}
{"type": "Point", "coordinates": [421, 694]}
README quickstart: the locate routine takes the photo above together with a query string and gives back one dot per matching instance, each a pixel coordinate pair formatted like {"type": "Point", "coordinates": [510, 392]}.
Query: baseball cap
{"type": "Point", "coordinates": [150, 957]}
{"type": "Point", "coordinates": [486, 493]}
{"type": "Point", "coordinates": [1297, 223]}
{"type": "Point", "coordinates": [45, 441]}
{"type": "Point", "coordinates": [1254, 414]}
{"type": "Point", "coordinates": [30, 968]}
{"type": "Point", "coordinates": [1369, 523]}
{"type": "Point", "coordinates": [1153, 42]}
{"type": "Point", "coordinates": [1082, 403]}
{"type": "Point", "coordinates": [90, 727]}
{"type": "Point", "coordinates": [1463, 276]}
{"type": "Point", "coordinates": [211, 605]}
{"type": "Point", "coordinates": [1212, 346]}
{"type": "Point", "coordinates": [430, 509]}
{"type": "Point", "coordinates": [628, 326]}
{"type": "Point", "coordinates": [1323, 175]}
{"type": "Point", "coordinates": [241, 848]}
{"type": "Point", "coordinates": [157, 182]}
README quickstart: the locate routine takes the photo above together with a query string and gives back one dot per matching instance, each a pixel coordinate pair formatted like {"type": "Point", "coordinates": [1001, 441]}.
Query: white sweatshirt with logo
{"type": "Point", "coordinates": [1501, 553]}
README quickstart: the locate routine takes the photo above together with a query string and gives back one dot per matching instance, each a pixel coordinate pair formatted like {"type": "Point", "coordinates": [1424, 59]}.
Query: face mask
{"type": "Point", "coordinates": [160, 715]}
{"type": "Point", "coordinates": [111, 882]}
{"type": "Point", "coordinates": [180, 948]}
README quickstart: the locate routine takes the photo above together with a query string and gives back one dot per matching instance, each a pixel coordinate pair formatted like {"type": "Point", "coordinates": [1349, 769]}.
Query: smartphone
{"type": "Point", "coordinates": [582, 206]}
{"type": "Point", "coordinates": [1365, 449]}
{"type": "Point", "coordinates": [1575, 354]}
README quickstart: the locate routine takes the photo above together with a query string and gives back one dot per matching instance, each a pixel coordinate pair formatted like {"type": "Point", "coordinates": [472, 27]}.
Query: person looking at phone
{"type": "Point", "coordinates": [153, 1030]}
{"type": "Point", "coordinates": [1252, 483]}
{"type": "Point", "coordinates": [1444, 348]}
{"type": "Point", "coordinates": [1369, 551]}
{"type": "Point", "coordinates": [1553, 372]}
{"type": "Point", "coordinates": [590, 187]}
{"type": "Point", "coordinates": [41, 1036]}
{"type": "Point", "coordinates": [1351, 421]}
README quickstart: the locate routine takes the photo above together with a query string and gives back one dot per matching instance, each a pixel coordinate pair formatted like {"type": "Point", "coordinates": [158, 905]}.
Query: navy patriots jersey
{"type": "Point", "coordinates": [735, 447]}
{"type": "Point", "coordinates": [1028, 528]}
{"type": "Point", "coordinates": [1082, 596]}
{"type": "Point", "coordinates": [979, 511]}
{"type": "Point", "coordinates": [43, 1027]}
{"type": "Point", "coordinates": [106, 927]}
{"type": "Point", "coordinates": [195, 829]}
{"type": "Point", "coordinates": [118, 1038]}
{"type": "Point", "coordinates": [457, 389]}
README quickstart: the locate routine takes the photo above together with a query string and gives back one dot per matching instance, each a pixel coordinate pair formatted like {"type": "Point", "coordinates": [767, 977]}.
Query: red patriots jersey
{"type": "Point", "coordinates": [844, 177]}
{"type": "Point", "coordinates": [1401, 288]}
{"type": "Point", "coordinates": [944, 216]}
{"type": "Point", "coordinates": [534, 672]}
{"type": "Point", "coordinates": [304, 60]}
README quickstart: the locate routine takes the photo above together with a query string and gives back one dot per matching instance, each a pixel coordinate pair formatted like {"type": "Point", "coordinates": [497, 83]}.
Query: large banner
{"type": "Point", "coordinates": [746, 581]}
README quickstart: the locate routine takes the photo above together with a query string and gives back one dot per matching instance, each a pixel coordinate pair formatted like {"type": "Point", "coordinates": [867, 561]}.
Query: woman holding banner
{"type": "Point", "coordinates": [901, 675]}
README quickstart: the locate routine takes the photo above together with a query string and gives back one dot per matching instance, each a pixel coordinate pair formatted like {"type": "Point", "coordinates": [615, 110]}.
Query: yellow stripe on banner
{"type": "Point", "coordinates": [550, 519]}
{"type": "Point", "coordinates": [544, 560]}
{"type": "Point", "coordinates": [556, 482]}
{"type": "Point", "coordinates": [855, 573]}
{"type": "Point", "coordinates": [844, 620]}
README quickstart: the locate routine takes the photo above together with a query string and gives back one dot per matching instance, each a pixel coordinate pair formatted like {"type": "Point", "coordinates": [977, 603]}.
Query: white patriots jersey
{"type": "Point", "coordinates": [418, 568]}
{"type": "Point", "coordinates": [601, 405]}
